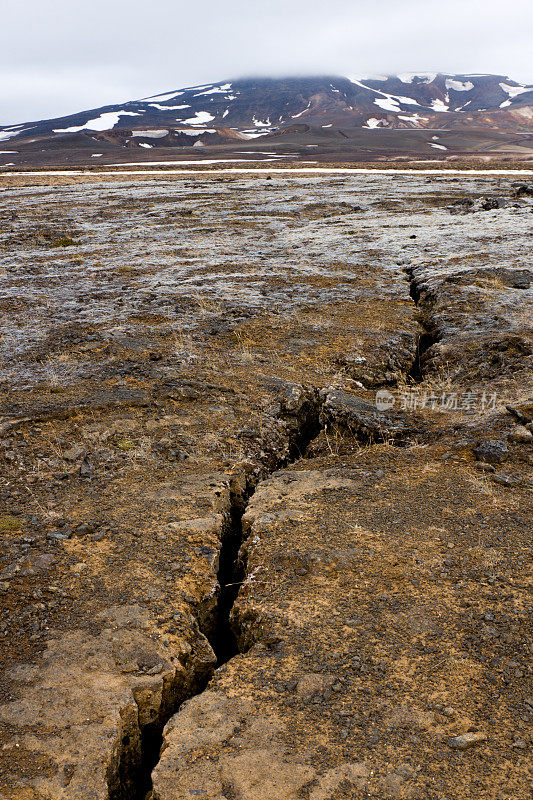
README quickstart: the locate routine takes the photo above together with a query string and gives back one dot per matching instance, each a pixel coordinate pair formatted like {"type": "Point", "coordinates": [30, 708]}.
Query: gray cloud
{"type": "Point", "coordinates": [60, 57]}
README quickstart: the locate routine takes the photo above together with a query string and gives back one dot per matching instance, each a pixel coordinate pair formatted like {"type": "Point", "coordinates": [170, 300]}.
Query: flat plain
{"type": "Point", "coordinates": [265, 486]}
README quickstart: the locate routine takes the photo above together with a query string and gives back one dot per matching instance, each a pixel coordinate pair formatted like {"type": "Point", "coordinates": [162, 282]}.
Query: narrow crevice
{"type": "Point", "coordinates": [302, 429]}
{"type": "Point", "coordinates": [414, 289]}
{"type": "Point", "coordinates": [308, 428]}
{"type": "Point", "coordinates": [426, 339]}
{"type": "Point", "coordinates": [428, 335]}
{"type": "Point", "coordinates": [231, 573]}
{"type": "Point", "coordinates": [216, 628]}
{"type": "Point", "coordinates": [139, 753]}
{"type": "Point", "coordinates": [134, 781]}
{"type": "Point", "coordinates": [152, 741]}
{"type": "Point", "coordinates": [140, 748]}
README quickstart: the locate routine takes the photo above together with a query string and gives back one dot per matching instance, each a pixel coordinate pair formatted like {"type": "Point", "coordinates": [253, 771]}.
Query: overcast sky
{"type": "Point", "coordinates": [62, 56]}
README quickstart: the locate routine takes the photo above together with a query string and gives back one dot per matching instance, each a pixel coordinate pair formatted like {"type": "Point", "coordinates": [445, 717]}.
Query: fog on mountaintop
{"type": "Point", "coordinates": [74, 57]}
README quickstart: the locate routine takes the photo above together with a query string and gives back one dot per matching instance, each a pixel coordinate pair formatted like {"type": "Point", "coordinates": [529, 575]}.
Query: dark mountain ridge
{"type": "Point", "coordinates": [233, 112]}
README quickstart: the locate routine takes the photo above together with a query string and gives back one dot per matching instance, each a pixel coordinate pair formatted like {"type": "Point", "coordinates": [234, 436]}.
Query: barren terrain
{"type": "Point", "coordinates": [227, 570]}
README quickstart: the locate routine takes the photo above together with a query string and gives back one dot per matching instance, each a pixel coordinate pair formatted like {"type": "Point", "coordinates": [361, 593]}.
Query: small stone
{"type": "Point", "coordinates": [85, 469]}
{"type": "Point", "coordinates": [486, 204]}
{"type": "Point", "coordinates": [481, 466]}
{"type": "Point", "coordinates": [73, 453]}
{"type": "Point", "coordinates": [466, 740]}
{"type": "Point", "coordinates": [83, 529]}
{"type": "Point", "coordinates": [493, 451]}
{"type": "Point", "coordinates": [506, 479]}
{"type": "Point", "coordinates": [155, 670]}
{"type": "Point", "coordinates": [521, 434]}
{"type": "Point", "coordinates": [393, 783]}
{"type": "Point", "coordinates": [519, 415]}
{"type": "Point", "coordinates": [406, 770]}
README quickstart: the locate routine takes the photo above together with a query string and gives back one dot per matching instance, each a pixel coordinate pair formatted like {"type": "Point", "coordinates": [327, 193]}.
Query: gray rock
{"type": "Point", "coordinates": [507, 479]}
{"type": "Point", "coordinates": [466, 740]}
{"type": "Point", "coordinates": [361, 418]}
{"type": "Point", "coordinates": [521, 434]}
{"type": "Point", "coordinates": [86, 469]}
{"type": "Point", "coordinates": [73, 453]}
{"type": "Point", "coordinates": [486, 204]}
{"type": "Point", "coordinates": [84, 529]}
{"type": "Point", "coordinates": [518, 414]}
{"type": "Point", "coordinates": [493, 451]}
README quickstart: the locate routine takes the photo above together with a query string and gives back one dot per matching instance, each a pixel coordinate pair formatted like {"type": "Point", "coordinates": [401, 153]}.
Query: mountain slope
{"type": "Point", "coordinates": [248, 109]}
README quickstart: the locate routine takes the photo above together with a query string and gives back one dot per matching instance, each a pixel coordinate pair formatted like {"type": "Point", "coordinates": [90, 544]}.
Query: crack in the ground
{"type": "Point", "coordinates": [429, 333]}
{"type": "Point", "coordinates": [304, 414]}
{"type": "Point", "coordinates": [131, 778]}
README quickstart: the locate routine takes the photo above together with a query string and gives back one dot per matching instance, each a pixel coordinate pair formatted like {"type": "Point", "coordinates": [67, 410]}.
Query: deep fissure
{"type": "Point", "coordinates": [231, 573]}
{"type": "Point", "coordinates": [427, 337]}
{"type": "Point", "coordinates": [135, 778]}
{"type": "Point", "coordinates": [217, 630]}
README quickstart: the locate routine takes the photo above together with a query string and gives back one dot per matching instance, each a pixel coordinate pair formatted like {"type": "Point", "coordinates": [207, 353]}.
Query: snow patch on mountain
{"type": "Point", "coordinates": [151, 134]}
{"type": "Point", "coordinates": [104, 122]}
{"type": "Point", "coordinates": [387, 101]}
{"type": "Point", "coordinates": [200, 118]}
{"type": "Point", "coordinates": [420, 77]}
{"type": "Point", "coordinates": [358, 78]}
{"type": "Point", "coordinates": [514, 91]}
{"type": "Point", "coordinates": [254, 134]}
{"type": "Point", "coordinates": [216, 90]}
{"type": "Point", "coordinates": [439, 105]}
{"type": "Point", "coordinates": [388, 104]}
{"type": "Point", "coordinates": [416, 118]}
{"type": "Point", "coordinates": [167, 108]}
{"type": "Point", "coordinates": [295, 116]}
{"type": "Point", "coordinates": [195, 131]}
{"type": "Point", "coordinates": [459, 86]}
{"type": "Point", "coordinates": [371, 123]}
{"type": "Point", "coordinates": [160, 98]}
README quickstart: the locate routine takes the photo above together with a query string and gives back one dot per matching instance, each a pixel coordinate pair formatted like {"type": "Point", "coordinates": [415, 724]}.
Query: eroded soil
{"type": "Point", "coordinates": [213, 540]}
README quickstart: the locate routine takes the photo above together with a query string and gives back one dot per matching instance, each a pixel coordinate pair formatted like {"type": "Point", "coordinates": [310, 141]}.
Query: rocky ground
{"type": "Point", "coordinates": [265, 495]}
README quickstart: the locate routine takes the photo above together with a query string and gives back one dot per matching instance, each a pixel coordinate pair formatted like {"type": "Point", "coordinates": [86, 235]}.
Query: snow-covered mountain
{"type": "Point", "coordinates": [333, 119]}
{"type": "Point", "coordinates": [255, 107]}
